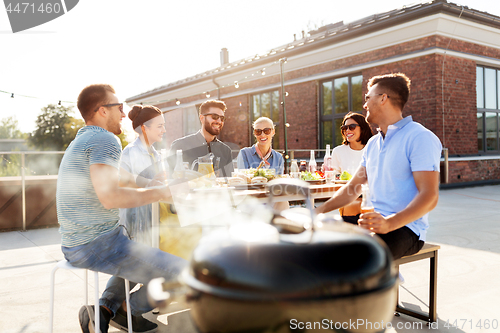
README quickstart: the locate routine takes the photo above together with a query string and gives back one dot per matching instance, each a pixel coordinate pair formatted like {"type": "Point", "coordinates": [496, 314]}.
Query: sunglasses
{"type": "Point", "coordinates": [351, 127]}
{"type": "Point", "coordinates": [215, 116]}
{"type": "Point", "coordinates": [266, 131]}
{"type": "Point", "coordinates": [367, 97]}
{"type": "Point", "coordinates": [111, 105]}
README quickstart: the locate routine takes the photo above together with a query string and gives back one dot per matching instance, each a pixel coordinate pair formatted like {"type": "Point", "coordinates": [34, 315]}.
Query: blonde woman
{"type": "Point", "coordinates": [252, 157]}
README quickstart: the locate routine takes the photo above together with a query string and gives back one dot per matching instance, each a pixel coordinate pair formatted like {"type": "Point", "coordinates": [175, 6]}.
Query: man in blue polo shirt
{"type": "Point", "coordinates": [400, 165]}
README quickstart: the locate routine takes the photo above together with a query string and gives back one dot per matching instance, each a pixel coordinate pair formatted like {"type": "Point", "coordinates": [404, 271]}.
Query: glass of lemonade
{"type": "Point", "coordinates": [206, 169]}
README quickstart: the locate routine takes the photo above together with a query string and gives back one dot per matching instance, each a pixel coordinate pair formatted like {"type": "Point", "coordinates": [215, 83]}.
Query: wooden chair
{"type": "Point", "coordinates": [428, 251]}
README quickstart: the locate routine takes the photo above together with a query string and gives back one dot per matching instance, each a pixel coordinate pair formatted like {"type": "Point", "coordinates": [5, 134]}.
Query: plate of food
{"type": "Point", "coordinates": [316, 181]}
{"type": "Point", "coordinates": [312, 178]}
{"type": "Point", "coordinates": [249, 187]}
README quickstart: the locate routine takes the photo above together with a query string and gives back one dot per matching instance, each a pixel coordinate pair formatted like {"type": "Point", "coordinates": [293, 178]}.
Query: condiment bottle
{"type": "Point", "coordinates": [303, 166]}
{"type": "Point", "coordinates": [312, 163]}
{"type": "Point", "coordinates": [179, 166]}
{"type": "Point", "coordinates": [366, 203]}
{"type": "Point", "coordinates": [294, 169]}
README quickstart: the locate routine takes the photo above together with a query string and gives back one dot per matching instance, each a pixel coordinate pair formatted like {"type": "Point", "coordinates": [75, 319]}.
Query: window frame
{"type": "Point", "coordinates": [483, 111]}
{"type": "Point", "coordinates": [334, 116]}
{"type": "Point", "coordinates": [276, 139]}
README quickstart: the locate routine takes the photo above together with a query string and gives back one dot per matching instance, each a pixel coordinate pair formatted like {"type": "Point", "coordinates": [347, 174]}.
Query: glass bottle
{"type": "Point", "coordinates": [312, 163]}
{"type": "Point", "coordinates": [179, 166]}
{"type": "Point", "coordinates": [327, 161]}
{"type": "Point", "coordinates": [294, 169]}
{"type": "Point", "coordinates": [366, 203]}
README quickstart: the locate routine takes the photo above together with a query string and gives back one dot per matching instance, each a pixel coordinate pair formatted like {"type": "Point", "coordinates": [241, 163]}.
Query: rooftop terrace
{"type": "Point", "coordinates": [466, 223]}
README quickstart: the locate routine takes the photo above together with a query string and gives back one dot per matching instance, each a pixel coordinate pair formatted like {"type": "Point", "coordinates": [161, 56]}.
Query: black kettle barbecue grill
{"type": "Point", "coordinates": [278, 276]}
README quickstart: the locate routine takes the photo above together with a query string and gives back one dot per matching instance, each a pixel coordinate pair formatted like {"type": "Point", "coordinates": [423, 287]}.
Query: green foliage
{"type": "Point", "coordinates": [123, 140]}
{"type": "Point", "coordinates": [9, 129]}
{"type": "Point", "coordinates": [56, 128]}
{"type": "Point", "coordinates": [10, 165]}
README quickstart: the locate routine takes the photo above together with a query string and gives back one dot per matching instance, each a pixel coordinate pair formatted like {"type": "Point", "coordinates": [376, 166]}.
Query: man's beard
{"type": "Point", "coordinates": [211, 130]}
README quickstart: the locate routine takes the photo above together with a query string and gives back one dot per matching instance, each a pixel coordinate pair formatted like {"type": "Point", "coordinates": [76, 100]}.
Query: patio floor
{"type": "Point", "coordinates": [466, 223]}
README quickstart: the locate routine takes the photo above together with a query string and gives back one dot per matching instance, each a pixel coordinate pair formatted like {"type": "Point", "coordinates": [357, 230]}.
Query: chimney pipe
{"type": "Point", "coordinates": [224, 56]}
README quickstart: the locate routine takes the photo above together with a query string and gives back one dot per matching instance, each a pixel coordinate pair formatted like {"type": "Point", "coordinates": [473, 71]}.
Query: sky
{"type": "Point", "coordinates": [140, 45]}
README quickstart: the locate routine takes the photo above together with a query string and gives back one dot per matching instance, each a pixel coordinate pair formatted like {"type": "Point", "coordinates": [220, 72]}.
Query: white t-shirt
{"type": "Point", "coordinates": [346, 159]}
{"type": "Point", "coordinates": [135, 159]}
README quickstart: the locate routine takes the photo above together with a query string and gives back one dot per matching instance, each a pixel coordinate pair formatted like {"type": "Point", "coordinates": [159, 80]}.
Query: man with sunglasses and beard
{"type": "Point", "coordinates": [205, 141]}
{"type": "Point", "coordinates": [401, 166]}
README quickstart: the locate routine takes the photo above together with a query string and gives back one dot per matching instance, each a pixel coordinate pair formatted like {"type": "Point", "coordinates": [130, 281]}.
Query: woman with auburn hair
{"type": "Point", "coordinates": [137, 158]}
{"type": "Point", "coordinates": [346, 157]}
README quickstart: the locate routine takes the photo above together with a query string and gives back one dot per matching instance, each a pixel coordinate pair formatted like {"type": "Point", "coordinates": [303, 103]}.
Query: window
{"type": "Point", "coordinates": [191, 120]}
{"type": "Point", "coordinates": [267, 105]}
{"type": "Point", "coordinates": [488, 109]}
{"type": "Point", "coordinates": [338, 97]}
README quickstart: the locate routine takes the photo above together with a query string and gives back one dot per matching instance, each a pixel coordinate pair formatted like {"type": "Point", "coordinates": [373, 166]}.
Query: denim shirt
{"type": "Point", "coordinates": [248, 158]}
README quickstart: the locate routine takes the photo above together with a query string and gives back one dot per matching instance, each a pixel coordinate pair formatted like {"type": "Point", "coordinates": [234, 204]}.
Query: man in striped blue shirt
{"type": "Point", "coordinates": [90, 189]}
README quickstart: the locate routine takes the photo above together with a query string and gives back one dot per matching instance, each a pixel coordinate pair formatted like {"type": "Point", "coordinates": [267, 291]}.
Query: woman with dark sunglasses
{"type": "Point", "coordinates": [356, 132]}
{"type": "Point", "coordinates": [261, 152]}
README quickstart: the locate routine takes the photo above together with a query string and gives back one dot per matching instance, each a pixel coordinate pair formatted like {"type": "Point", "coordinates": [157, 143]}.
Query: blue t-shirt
{"type": "Point", "coordinates": [390, 163]}
{"type": "Point", "coordinates": [248, 158]}
{"type": "Point", "coordinates": [81, 215]}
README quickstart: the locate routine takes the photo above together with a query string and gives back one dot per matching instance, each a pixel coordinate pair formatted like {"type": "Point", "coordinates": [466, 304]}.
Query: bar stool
{"type": "Point", "coordinates": [64, 264]}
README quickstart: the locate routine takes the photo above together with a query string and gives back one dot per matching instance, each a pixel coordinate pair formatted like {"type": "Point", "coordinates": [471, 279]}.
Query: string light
{"type": "Point", "coordinates": [177, 101]}
{"type": "Point", "coordinates": [19, 95]}
{"type": "Point", "coordinates": [286, 93]}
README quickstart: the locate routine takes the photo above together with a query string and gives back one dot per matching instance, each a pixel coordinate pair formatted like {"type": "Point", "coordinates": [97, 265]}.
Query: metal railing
{"type": "Point", "coordinates": [24, 153]}
{"type": "Point", "coordinates": [23, 174]}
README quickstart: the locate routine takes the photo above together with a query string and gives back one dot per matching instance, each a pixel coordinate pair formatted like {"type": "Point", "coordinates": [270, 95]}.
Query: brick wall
{"type": "Point", "coordinates": [468, 171]}
{"type": "Point", "coordinates": [425, 105]}
{"type": "Point", "coordinates": [237, 125]}
{"type": "Point", "coordinates": [302, 115]}
{"type": "Point", "coordinates": [435, 92]}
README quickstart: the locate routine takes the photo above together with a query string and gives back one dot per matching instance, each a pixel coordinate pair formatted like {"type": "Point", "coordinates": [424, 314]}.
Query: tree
{"type": "Point", "coordinates": [56, 128]}
{"type": "Point", "coordinates": [9, 129]}
{"type": "Point", "coordinates": [10, 163]}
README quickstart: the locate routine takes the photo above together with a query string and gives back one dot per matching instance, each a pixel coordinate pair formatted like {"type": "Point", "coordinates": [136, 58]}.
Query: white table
{"type": "Point", "coordinates": [323, 191]}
